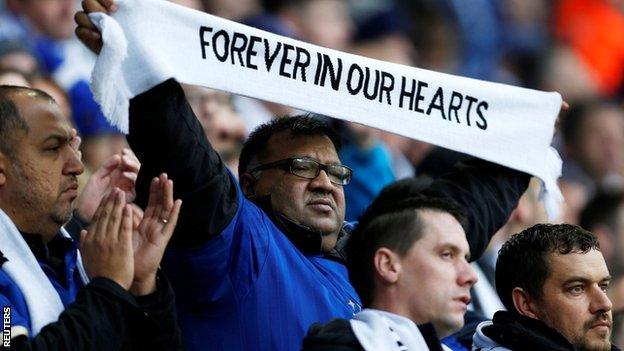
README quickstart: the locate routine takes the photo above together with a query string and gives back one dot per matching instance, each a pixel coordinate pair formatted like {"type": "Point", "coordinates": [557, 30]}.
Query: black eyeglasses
{"type": "Point", "coordinates": [309, 169]}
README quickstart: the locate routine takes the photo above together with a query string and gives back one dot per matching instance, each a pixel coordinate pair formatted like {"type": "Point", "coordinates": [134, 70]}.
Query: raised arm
{"type": "Point", "coordinates": [487, 192]}
{"type": "Point", "coordinates": [167, 137]}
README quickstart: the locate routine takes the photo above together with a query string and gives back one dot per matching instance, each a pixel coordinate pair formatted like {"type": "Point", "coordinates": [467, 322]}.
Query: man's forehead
{"type": "Point", "coordinates": [286, 144]}
{"type": "Point", "coordinates": [443, 229]}
{"type": "Point", "coordinates": [42, 116]}
{"type": "Point", "coordinates": [589, 265]}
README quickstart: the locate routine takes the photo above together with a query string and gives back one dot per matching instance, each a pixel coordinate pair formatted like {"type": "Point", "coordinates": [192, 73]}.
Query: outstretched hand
{"type": "Point", "coordinates": [153, 233]}
{"type": "Point", "coordinates": [120, 171]}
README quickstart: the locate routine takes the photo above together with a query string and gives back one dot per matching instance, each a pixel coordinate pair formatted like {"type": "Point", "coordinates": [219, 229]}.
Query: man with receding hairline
{"type": "Point", "coordinates": [106, 294]}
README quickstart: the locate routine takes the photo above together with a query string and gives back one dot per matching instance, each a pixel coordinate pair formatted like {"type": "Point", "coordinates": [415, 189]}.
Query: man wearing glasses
{"type": "Point", "coordinates": [255, 262]}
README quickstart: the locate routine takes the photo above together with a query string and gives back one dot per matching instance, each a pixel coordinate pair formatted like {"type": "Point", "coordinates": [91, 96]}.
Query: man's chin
{"type": "Point", "coordinates": [325, 227]}
{"type": "Point", "coordinates": [63, 216]}
{"type": "Point", "coordinates": [597, 343]}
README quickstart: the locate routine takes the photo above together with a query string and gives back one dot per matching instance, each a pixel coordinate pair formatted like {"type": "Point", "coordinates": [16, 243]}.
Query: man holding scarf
{"type": "Point", "coordinates": [254, 263]}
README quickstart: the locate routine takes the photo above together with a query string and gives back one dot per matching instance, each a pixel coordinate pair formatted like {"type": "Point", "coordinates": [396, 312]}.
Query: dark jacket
{"type": "Point", "coordinates": [511, 331]}
{"type": "Point", "coordinates": [98, 316]}
{"type": "Point", "coordinates": [337, 335]}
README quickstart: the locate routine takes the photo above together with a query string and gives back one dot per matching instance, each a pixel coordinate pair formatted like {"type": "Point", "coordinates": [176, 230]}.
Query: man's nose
{"type": "Point", "coordinates": [322, 182]}
{"type": "Point", "coordinates": [600, 301]}
{"type": "Point", "coordinates": [467, 275]}
{"type": "Point", "coordinates": [73, 163]}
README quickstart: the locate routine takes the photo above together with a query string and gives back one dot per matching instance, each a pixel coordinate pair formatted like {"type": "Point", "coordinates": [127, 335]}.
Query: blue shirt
{"type": "Point", "coordinates": [250, 288]}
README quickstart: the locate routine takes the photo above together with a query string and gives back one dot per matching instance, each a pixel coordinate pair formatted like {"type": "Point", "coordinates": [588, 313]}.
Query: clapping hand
{"type": "Point", "coordinates": [151, 236]}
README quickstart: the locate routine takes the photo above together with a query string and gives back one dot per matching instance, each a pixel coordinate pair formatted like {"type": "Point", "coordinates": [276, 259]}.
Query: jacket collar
{"type": "Point", "coordinates": [306, 239]}
{"type": "Point", "coordinates": [518, 332]}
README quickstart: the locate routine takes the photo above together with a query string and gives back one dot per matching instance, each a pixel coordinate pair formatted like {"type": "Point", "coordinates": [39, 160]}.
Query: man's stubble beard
{"type": "Point", "coordinates": [37, 206]}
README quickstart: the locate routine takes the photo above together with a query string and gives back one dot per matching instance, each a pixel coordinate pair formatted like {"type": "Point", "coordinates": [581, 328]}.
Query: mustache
{"type": "Point", "coordinates": [602, 317]}
{"type": "Point", "coordinates": [316, 196]}
{"type": "Point", "coordinates": [72, 181]}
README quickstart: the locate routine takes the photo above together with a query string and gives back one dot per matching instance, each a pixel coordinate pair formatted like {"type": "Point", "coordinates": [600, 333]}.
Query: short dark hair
{"type": "Point", "coordinates": [523, 259]}
{"type": "Point", "coordinates": [302, 125]}
{"type": "Point", "coordinates": [602, 209]}
{"type": "Point", "coordinates": [396, 225]}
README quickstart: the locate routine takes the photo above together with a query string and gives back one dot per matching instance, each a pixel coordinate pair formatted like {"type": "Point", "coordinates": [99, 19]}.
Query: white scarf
{"type": "Point", "coordinates": [44, 303]}
{"type": "Point", "coordinates": [149, 41]}
{"type": "Point", "coordinates": [383, 331]}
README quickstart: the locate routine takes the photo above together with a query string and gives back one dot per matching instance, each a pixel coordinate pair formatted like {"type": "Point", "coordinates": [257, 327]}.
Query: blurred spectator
{"type": "Point", "coordinates": [575, 194]}
{"type": "Point", "coordinates": [53, 19]}
{"type": "Point", "coordinates": [530, 211]}
{"type": "Point", "coordinates": [526, 38]}
{"type": "Point", "coordinates": [12, 77]}
{"type": "Point", "coordinates": [16, 56]}
{"type": "Point", "coordinates": [369, 159]}
{"type": "Point", "coordinates": [223, 127]}
{"type": "Point", "coordinates": [604, 217]}
{"type": "Point", "coordinates": [593, 30]}
{"type": "Point", "coordinates": [322, 22]}
{"type": "Point", "coordinates": [236, 10]}
{"type": "Point", "coordinates": [45, 28]}
{"type": "Point", "coordinates": [564, 72]}
{"type": "Point", "coordinates": [193, 4]}
{"type": "Point", "coordinates": [594, 138]}
{"type": "Point", "coordinates": [433, 35]}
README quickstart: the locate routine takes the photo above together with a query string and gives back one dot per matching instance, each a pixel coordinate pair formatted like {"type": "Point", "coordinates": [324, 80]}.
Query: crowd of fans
{"type": "Point", "coordinates": [574, 47]}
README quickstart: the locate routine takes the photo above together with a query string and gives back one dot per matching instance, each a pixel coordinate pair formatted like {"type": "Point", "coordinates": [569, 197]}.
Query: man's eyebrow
{"type": "Point", "coordinates": [453, 246]}
{"type": "Point", "coordinates": [584, 280]}
{"type": "Point", "coordinates": [56, 136]}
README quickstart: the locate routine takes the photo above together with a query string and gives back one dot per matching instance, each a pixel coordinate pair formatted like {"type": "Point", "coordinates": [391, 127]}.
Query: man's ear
{"type": "Point", "coordinates": [3, 168]}
{"type": "Point", "coordinates": [247, 182]}
{"type": "Point", "coordinates": [523, 303]}
{"type": "Point", "coordinates": [387, 265]}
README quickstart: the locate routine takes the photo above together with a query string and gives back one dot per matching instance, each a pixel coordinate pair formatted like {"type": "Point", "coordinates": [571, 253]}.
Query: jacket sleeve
{"type": "Point", "coordinates": [167, 137]}
{"type": "Point", "coordinates": [162, 332]}
{"type": "Point", "coordinates": [103, 317]}
{"type": "Point", "coordinates": [488, 193]}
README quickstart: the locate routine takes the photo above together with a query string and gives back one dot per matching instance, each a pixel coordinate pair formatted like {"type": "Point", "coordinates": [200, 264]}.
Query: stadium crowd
{"type": "Point", "coordinates": [228, 223]}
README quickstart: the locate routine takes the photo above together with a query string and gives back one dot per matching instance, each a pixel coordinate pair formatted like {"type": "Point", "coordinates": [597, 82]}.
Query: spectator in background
{"type": "Point", "coordinates": [604, 216]}
{"type": "Point", "coordinates": [16, 56]}
{"type": "Point", "coordinates": [223, 127]}
{"type": "Point", "coordinates": [553, 281]}
{"type": "Point", "coordinates": [322, 22]}
{"type": "Point", "coordinates": [236, 10]}
{"type": "Point", "coordinates": [594, 143]}
{"type": "Point", "coordinates": [12, 77]}
{"type": "Point", "coordinates": [370, 161]}
{"type": "Point", "coordinates": [408, 260]}
{"type": "Point", "coordinates": [576, 189]}
{"type": "Point", "coordinates": [592, 30]}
